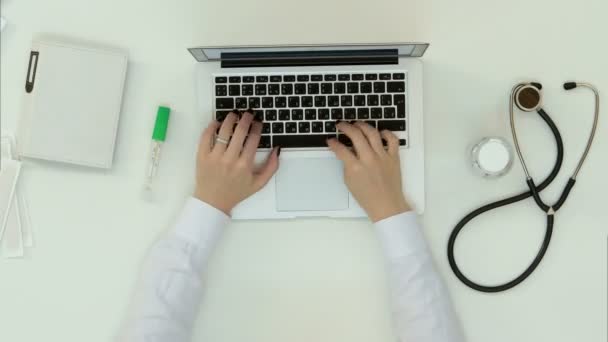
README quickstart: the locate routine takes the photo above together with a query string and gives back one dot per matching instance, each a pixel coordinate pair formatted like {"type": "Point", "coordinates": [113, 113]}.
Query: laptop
{"type": "Point", "coordinates": [299, 92]}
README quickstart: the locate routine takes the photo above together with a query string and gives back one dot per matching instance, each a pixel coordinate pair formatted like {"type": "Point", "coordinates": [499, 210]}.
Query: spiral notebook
{"type": "Point", "coordinates": [72, 103]}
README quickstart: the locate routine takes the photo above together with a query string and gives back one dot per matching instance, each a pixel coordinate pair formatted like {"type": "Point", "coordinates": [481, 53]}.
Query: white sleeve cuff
{"type": "Point", "coordinates": [401, 235]}
{"type": "Point", "coordinates": [200, 222]}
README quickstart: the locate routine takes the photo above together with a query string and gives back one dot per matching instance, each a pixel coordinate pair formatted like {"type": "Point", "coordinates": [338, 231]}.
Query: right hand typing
{"type": "Point", "coordinates": [372, 174]}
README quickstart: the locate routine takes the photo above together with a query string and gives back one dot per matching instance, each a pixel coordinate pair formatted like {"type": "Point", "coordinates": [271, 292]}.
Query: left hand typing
{"type": "Point", "coordinates": [225, 170]}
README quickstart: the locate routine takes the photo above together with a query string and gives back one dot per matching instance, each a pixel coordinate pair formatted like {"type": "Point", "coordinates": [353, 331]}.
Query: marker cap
{"type": "Point", "coordinates": [162, 122]}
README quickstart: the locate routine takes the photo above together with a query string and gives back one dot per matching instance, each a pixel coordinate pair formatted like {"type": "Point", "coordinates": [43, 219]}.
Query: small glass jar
{"type": "Point", "coordinates": [492, 157]}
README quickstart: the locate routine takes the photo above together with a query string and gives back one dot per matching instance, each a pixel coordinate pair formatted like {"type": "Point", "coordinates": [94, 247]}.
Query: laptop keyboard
{"type": "Point", "coordinates": [300, 110]}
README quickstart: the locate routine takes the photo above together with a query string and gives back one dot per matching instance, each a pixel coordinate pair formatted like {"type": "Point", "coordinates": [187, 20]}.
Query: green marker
{"type": "Point", "coordinates": [158, 137]}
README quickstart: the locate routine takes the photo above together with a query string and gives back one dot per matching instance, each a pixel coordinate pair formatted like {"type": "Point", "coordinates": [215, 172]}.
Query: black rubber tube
{"type": "Point", "coordinates": [549, 230]}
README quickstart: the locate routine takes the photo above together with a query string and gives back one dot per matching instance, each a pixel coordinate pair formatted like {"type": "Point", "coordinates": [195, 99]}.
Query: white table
{"type": "Point", "coordinates": [320, 280]}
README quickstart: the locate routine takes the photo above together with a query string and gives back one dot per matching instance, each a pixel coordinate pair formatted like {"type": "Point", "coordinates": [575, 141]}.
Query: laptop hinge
{"type": "Point", "coordinates": [308, 58]}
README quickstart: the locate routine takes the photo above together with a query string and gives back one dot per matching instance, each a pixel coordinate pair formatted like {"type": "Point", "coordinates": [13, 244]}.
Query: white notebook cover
{"type": "Point", "coordinates": [72, 103]}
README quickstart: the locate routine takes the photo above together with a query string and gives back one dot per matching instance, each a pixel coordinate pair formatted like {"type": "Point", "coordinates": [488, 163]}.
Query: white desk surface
{"type": "Point", "coordinates": [320, 280]}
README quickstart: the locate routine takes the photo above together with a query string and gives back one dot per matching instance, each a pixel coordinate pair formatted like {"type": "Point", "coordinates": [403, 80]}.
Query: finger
{"type": "Point", "coordinates": [253, 140]}
{"type": "Point", "coordinates": [238, 137]}
{"type": "Point", "coordinates": [392, 142]}
{"type": "Point", "coordinates": [205, 144]}
{"type": "Point", "coordinates": [268, 170]}
{"type": "Point", "coordinates": [341, 151]}
{"type": "Point", "coordinates": [225, 132]}
{"type": "Point", "coordinates": [372, 135]}
{"type": "Point", "coordinates": [360, 143]}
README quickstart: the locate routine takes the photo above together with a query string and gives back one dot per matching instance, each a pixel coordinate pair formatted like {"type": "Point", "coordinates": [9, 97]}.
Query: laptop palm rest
{"type": "Point", "coordinates": [311, 184]}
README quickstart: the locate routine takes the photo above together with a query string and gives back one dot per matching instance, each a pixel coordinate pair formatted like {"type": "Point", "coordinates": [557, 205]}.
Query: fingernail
{"type": "Point", "coordinates": [279, 151]}
{"type": "Point", "coordinates": [353, 122]}
{"type": "Point", "coordinates": [338, 121]}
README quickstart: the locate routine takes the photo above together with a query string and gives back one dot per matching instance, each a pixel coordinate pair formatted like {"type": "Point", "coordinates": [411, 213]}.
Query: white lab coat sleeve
{"type": "Point", "coordinates": [420, 303]}
{"type": "Point", "coordinates": [170, 288]}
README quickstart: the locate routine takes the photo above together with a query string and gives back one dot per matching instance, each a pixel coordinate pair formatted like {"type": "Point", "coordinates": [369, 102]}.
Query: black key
{"type": "Point", "coordinates": [317, 127]}
{"type": "Point", "coordinates": [316, 78]}
{"type": "Point", "coordinates": [234, 90]}
{"type": "Point", "coordinates": [386, 100]}
{"type": "Point", "coordinates": [313, 88]}
{"type": "Point", "coordinates": [385, 76]}
{"type": "Point", "coordinates": [289, 78]}
{"type": "Point", "coordinates": [359, 100]}
{"type": "Point", "coordinates": [326, 88]}
{"type": "Point", "coordinates": [350, 113]}
{"type": "Point", "coordinates": [339, 88]}
{"type": "Point", "coordinates": [402, 142]}
{"type": "Point", "coordinates": [234, 79]}
{"type": "Point", "coordinates": [264, 142]}
{"type": "Point", "coordinates": [274, 89]}
{"type": "Point", "coordinates": [345, 140]}
{"type": "Point", "coordinates": [221, 80]}
{"type": "Point", "coordinates": [333, 101]}
{"type": "Point", "coordinates": [310, 114]}
{"type": "Point", "coordinates": [280, 102]}
{"type": "Point", "coordinates": [291, 127]}
{"type": "Point", "coordinates": [277, 127]}
{"type": "Point", "coordinates": [247, 89]}
{"type": "Point", "coordinates": [276, 78]}
{"type": "Point", "coordinates": [344, 77]}
{"type": "Point", "coordinates": [220, 115]}
{"type": "Point", "coordinates": [260, 89]}
{"type": "Point", "coordinates": [221, 90]}
{"type": "Point", "coordinates": [307, 101]}
{"type": "Point", "coordinates": [266, 128]}
{"type": "Point", "coordinates": [224, 103]}
{"type": "Point", "coordinates": [297, 114]}
{"type": "Point", "coordinates": [399, 101]}
{"type": "Point", "coordinates": [371, 77]}
{"type": "Point", "coordinates": [241, 103]}
{"type": "Point", "coordinates": [271, 115]}
{"type": "Point", "coordinates": [357, 77]}
{"type": "Point", "coordinates": [330, 126]}
{"type": "Point", "coordinates": [258, 115]}
{"type": "Point", "coordinates": [261, 79]}
{"type": "Point", "coordinates": [303, 78]}
{"type": "Point", "coordinates": [395, 87]}
{"type": "Point", "coordinates": [353, 88]}
{"type": "Point", "coordinates": [304, 140]}
{"type": "Point", "coordinates": [254, 102]}
{"type": "Point", "coordinates": [391, 125]}
{"type": "Point", "coordinates": [304, 127]}
{"type": "Point", "coordinates": [362, 113]}
{"type": "Point", "coordinates": [248, 79]}
{"type": "Point", "coordinates": [376, 113]}
{"type": "Point", "coordinates": [379, 87]}
{"type": "Point", "coordinates": [389, 112]}
{"type": "Point", "coordinates": [366, 87]}
{"type": "Point", "coordinates": [336, 114]}
{"type": "Point", "coordinates": [346, 100]}
{"type": "Point", "coordinates": [320, 101]}
{"type": "Point", "coordinates": [300, 88]}
{"type": "Point", "coordinates": [286, 89]}
{"type": "Point", "coordinates": [294, 101]}
{"type": "Point", "coordinates": [371, 123]}
{"type": "Point", "coordinates": [399, 76]}
{"type": "Point", "coordinates": [372, 100]}
{"type": "Point", "coordinates": [267, 102]}
{"type": "Point", "coordinates": [324, 114]}
{"type": "Point", "coordinates": [284, 115]}
{"type": "Point", "coordinates": [330, 77]}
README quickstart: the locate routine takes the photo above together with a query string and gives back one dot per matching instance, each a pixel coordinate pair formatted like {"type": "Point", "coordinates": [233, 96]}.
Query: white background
{"type": "Point", "coordinates": [320, 280]}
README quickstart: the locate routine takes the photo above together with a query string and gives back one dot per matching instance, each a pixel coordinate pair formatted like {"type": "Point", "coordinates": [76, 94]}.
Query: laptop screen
{"type": "Point", "coordinates": [204, 54]}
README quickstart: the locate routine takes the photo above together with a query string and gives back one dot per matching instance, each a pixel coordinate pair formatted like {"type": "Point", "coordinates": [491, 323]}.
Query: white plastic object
{"type": "Point", "coordinates": [492, 157]}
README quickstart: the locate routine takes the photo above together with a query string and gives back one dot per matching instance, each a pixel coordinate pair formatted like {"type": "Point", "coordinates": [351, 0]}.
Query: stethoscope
{"type": "Point", "coordinates": [528, 98]}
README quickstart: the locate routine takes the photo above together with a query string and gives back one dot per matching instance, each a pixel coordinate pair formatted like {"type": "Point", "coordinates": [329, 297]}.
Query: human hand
{"type": "Point", "coordinates": [225, 172]}
{"type": "Point", "coordinates": [372, 174]}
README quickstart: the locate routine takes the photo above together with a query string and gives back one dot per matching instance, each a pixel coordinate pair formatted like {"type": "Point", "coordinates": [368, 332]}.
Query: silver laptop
{"type": "Point", "coordinates": [299, 92]}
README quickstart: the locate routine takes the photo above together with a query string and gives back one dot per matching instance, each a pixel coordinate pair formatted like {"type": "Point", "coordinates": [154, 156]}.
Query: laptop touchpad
{"type": "Point", "coordinates": [311, 184]}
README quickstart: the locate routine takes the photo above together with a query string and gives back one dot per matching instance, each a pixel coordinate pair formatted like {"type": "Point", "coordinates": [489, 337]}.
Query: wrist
{"type": "Point", "coordinates": [214, 202]}
{"type": "Point", "coordinates": [390, 210]}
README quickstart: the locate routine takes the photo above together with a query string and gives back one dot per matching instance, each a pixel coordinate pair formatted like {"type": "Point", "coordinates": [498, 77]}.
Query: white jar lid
{"type": "Point", "coordinates": [492, 156]}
